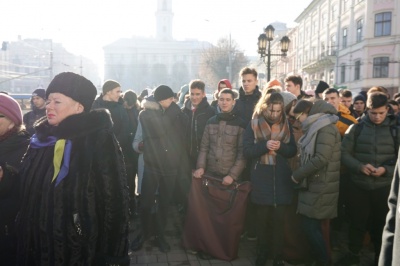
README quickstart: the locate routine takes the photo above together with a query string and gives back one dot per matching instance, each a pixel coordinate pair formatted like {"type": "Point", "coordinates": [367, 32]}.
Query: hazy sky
{"type": "Point", "coordinates": [85, 26]}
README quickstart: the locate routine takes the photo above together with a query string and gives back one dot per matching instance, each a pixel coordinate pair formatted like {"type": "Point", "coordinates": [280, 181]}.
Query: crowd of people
{"type": "Point", "coordinates": [76, 170]}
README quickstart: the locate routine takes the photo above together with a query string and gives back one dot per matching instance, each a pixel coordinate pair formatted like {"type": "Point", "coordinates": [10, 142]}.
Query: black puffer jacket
{"type": "Point", "coordinates": [198, 121]}
{"type": "Point", "coordinates": [84, 219]}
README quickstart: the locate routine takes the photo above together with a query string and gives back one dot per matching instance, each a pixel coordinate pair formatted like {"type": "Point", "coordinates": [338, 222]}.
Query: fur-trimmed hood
{"type": "Point", "coordinates": [151, 104]}
{"type": "Point", "coordinates": [75, 125]}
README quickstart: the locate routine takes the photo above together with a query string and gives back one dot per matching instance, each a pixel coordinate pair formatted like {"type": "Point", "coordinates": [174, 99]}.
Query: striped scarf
{"type": "Point", "coordinates": [264, 132]}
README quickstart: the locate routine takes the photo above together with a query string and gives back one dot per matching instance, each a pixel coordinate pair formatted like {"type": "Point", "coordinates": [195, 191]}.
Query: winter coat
{"type": "Point", "coordinates": [31, 117]}
{"type": "Point", "coordinates": [136, 143]}
{"type": "Point", "coordinates": [198, 121]}
{"type": "Point", "coordinates": [391, 233]}
{"type": "Point", "coordinates": [12, 148]}
{"type": "Point", "coordinates": [163, 136]}
{"type": "Point", "coordinates": [345, 119]}
{"type": "Point", "coordinates": [374, 145]}
{"type": "Point", "coordinates": [120, 121]}
{"type": "Point", "coordinates": [84, 219]}
{"type": "Point", "coordinates": [221, 151]}
{"type": "Point", "coordinates": [245, 104]}
{"type": "Point", "coordinates": [271, 184]}
{"type": "Point", "coordinates": [322, 171]}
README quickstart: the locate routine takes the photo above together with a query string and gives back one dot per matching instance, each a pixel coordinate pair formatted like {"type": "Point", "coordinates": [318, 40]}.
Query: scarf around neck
{"type": "Point", "coordinates": [61, 157]}
{"type": "Point", "coordinates": [310, 127]}
{"type": "Point", "coordinates": [264, 132]}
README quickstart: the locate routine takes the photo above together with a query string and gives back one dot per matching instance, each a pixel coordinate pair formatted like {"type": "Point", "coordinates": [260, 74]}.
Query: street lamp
{"type": "Point", "coordinates": [264, 47]}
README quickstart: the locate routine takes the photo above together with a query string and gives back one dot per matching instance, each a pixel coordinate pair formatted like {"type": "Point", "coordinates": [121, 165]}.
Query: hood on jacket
{"type": "Point", "coordinates": [183, 91]}
{"type": "Point", "coordinates": [320, 106]}
{"type": "Point", "coordinates": [150, 103]}
{"type": "Point", "coordinates": [227, 83]}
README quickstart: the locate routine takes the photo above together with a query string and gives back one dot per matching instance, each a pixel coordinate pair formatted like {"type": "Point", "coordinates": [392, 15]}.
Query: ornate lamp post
{"type": "Point", "coordinates": [264, 47]}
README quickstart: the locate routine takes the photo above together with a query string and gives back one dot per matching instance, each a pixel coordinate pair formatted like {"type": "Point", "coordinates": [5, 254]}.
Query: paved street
{"type": "Point", "coordinates": [149, 255]}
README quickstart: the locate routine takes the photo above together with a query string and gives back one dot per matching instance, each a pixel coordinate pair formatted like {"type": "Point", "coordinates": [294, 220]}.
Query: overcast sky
{"type": "Point", "coordinates": [85, 26]}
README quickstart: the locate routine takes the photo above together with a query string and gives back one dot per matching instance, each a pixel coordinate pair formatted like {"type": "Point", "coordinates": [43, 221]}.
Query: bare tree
{"type": "Point", "coordinates": [217, 61]}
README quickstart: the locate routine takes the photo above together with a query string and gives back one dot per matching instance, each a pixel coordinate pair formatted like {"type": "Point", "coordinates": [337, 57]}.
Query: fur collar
{"type": "Point", "coordinates": [75, 125]}
{"type": "Point", "coordinates": [150, 104]}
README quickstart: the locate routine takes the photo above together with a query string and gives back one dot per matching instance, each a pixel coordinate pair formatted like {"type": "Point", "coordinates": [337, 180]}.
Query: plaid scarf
{"type": "Point", "coordinates": [263, 131]}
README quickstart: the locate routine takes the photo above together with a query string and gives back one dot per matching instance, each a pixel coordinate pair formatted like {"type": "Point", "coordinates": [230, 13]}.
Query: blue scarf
{"type": "Point", "coordinates": [59, 172]}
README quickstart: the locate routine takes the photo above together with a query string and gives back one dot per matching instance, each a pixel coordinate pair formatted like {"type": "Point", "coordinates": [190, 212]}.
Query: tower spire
{"type": "Point", "coordinates": [164, 17]}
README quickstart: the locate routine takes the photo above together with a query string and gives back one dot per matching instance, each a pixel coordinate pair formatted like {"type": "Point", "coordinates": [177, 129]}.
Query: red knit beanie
{"type": "Point", "coordinates": [11, 109]}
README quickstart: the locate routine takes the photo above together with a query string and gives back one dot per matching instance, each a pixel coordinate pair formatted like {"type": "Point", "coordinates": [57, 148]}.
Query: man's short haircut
{"type": "Point", "coordinates": [248, 70]}
{"type": "Point", "coordinates": [229, 91]}
{"type": "Point", "coordinates": [297, 80]}
{"type": "Point", "coordinates": [329, 91]}
{"type": "Point", "coordinates": [378, 89]}
{"type": "Point", "coordinates": [376, 100]}
{"type": "Point", "coordinates": [197, 84]}
{"type": "Point", "coordinates": [346, 94]}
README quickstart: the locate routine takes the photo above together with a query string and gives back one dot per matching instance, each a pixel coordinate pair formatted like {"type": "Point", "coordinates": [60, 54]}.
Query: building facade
{"type": "Point", "coordinates": [353, 44]}
{"type": "Point", "coordinates": [27, 64]}
{"type": "Point", "coordinates": [139, 62]}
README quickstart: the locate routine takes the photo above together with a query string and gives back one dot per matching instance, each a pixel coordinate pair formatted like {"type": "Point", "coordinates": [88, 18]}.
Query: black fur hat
{"type": "Point", "coordinates": [74, 86]}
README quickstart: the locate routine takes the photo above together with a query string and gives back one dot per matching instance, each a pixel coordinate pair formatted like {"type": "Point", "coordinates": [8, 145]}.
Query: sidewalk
{"type": "Point", "coordinates": [149, 254]}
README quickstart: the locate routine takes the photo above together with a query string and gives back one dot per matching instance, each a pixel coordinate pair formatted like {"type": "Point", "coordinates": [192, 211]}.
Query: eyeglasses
{"type": "Point", "coordinates": [1, 116]}
{"type": "Point", "coordinates": [297, 117]}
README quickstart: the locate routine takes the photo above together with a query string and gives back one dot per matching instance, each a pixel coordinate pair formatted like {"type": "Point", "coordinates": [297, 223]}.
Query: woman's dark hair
{"type": "Point", "coordinates": [303, 106]}
{"type": "Point", "coordinates": [130, 97]}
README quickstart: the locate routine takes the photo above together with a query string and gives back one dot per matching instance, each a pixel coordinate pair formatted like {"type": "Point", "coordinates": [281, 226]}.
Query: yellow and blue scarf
{"type": "Point", "coordinates": [61, 157]}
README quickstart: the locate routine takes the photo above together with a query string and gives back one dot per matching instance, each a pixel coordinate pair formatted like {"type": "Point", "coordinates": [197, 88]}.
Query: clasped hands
{"type": "Point", "coordinates": [370, 170]}
{"type": "Point", "coordinates": [273, 145]}
{"type": "Point", "coordinates": [227, 180]}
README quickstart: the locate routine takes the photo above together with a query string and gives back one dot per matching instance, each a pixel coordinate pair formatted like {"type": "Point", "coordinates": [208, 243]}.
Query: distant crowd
{"type": "Point", "coordinates": [77, 170]}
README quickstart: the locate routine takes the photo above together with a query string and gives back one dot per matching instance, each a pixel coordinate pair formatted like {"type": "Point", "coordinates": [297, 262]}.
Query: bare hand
{"type": "Point", "coordinates": [368, 169]}
{"type": "Point", "coordinates": [273, 145]}
{"type": "Point", "coordinates": [198, 173]}
{"type": "Point", "coordinates": [380, 171]}
{"type": "Point", "coordinates": [227, 180]}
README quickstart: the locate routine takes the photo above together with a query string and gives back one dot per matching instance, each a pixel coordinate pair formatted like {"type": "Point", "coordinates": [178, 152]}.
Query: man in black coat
{"type": "Point", "coordinates": [249, 94]}
{"type": "Point", "coordinates": [198, 111]}
{"type": "Point", "coordinates": [38, 104]}
{"type": "Point", "coordinates": [163, 126]}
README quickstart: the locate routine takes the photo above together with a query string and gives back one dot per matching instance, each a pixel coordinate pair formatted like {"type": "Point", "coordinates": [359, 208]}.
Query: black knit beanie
{"type": "Point", "coordinates": [163, 92]}
{"type": "Point", "coordinates": [321, 87]}
{"type": "Point", "coordinates": [359, 97]}
{"type": "Point", "coordinates": [74, 86]}
{"type": "Point", "coordinates": [109, 85]}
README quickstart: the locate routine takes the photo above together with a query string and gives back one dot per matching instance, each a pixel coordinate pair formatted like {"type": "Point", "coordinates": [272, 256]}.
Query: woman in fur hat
{"type": "Point", "coordinates": [74, 196]}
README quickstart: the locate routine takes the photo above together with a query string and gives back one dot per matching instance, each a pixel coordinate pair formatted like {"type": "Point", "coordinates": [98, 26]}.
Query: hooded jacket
{"type": "Point", "coordinates": [84, 219]}
{"type": "Point", "coordinates": [345, 119]}
{"type": "Point", "coordinates": [373, 145]}
{"type": "Point", "coordinates": [198, 120]}
{"type": "Point", "coordinates": [322, 171]}
{"type": "Point", "coordinates": [214, 103]}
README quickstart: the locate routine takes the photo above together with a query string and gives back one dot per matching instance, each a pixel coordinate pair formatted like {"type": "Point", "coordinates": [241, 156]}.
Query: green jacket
{"type": "Point", "coordinates": [322, 171]}
{"type": "Point", "coordinates": [373, 145]}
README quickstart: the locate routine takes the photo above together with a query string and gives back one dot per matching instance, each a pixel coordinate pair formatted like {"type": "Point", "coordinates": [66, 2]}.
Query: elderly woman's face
{"type": "Point", "coordinates": [5, 124]}
{"type": "Point", "coordinates": [59, 107]}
